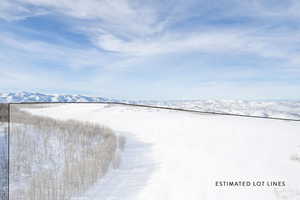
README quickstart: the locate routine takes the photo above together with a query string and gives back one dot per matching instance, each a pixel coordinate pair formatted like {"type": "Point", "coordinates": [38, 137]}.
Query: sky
{"type": "Point", "coordinates": [152, 49]}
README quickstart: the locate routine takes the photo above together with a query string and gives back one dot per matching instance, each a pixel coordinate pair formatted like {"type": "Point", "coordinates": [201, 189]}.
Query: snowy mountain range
{"type": "Point", "coordinates": [281, 109]}
{"type": "Point", "coordinates": [38, 97]}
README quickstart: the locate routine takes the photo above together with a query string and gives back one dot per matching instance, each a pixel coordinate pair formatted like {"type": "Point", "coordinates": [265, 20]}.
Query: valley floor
{"type": "Point", "coordinates": [172, 155]}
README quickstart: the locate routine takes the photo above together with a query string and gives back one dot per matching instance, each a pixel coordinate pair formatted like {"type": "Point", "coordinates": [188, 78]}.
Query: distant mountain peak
{"type": "Point", "coordinates": [17, 97]}
{"type": "Point", "coordinates": [280, 109]}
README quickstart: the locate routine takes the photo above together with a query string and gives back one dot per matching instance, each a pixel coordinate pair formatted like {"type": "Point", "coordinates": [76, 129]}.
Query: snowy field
{"type": "Point", "coordinates": [277, 109]}
{"type": "Point", "coordinates": [172, 155]}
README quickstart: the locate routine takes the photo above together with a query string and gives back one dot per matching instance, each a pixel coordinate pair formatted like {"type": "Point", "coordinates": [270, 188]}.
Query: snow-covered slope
{"type": "Point", "coordinates": [172, 155]}
{"type": "Point", "coordinates": [280, 109]}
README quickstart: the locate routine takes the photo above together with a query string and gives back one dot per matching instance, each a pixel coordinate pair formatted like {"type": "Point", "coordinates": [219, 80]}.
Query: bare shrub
{"type": "Point", "coordinates": [3, 162]}
{"type": "Point", "coordinates": [122, 142]}
{"type": "Point", "coordinates": [57, 159]}
{"type": "Point", "coordinates": [3, 151]}
{"type": "Point", "coordinates": [295, 157]}
{"type": "Point", "coordinates": [116, 162]}
{"type": "Point", "coordinates": [3, 112]}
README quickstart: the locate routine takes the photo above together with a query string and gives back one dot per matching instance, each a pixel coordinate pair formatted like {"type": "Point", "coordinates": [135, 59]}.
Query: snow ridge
{"type": "Point", "coordinates": [279, 109]}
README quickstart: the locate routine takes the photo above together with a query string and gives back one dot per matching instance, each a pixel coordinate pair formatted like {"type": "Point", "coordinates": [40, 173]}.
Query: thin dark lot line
{"type": "Point", "coordinates": [162, 107]}
{"type": "Point", "coordinates": [8, 148]}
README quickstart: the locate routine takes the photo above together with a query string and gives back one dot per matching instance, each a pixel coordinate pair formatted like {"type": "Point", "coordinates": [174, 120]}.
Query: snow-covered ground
{"type": "Point", "coordinates": [277, 109]}
{"type": "Point", "coordinates": [173, 155]}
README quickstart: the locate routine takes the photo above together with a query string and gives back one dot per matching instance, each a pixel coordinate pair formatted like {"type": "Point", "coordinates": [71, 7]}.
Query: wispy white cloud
{"type": "Point", "coordinates": [141, 28]}
{"type": "Point", "coordinates": [129, 34]}
{"type": "Point", "coordinates": [231, 42]}
{"type": "Point", "coordinates": [39, 50]}
{"type": "Point", "coordinates": [11, 10]}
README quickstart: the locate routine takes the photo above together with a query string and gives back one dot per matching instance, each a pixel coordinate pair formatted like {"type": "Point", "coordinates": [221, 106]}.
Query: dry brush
{"type": "Point", "coordinates": [3, 151]}
{"type": "Point", "coordinates": [57, 160]}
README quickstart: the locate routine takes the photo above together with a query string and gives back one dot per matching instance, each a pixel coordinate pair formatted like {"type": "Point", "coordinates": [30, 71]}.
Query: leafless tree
{"type": "Point", "coordinates": [55, 159]}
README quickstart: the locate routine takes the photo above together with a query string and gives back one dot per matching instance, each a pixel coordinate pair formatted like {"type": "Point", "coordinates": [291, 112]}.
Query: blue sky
{"type": "Point", "coordinates": [152, 49]}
